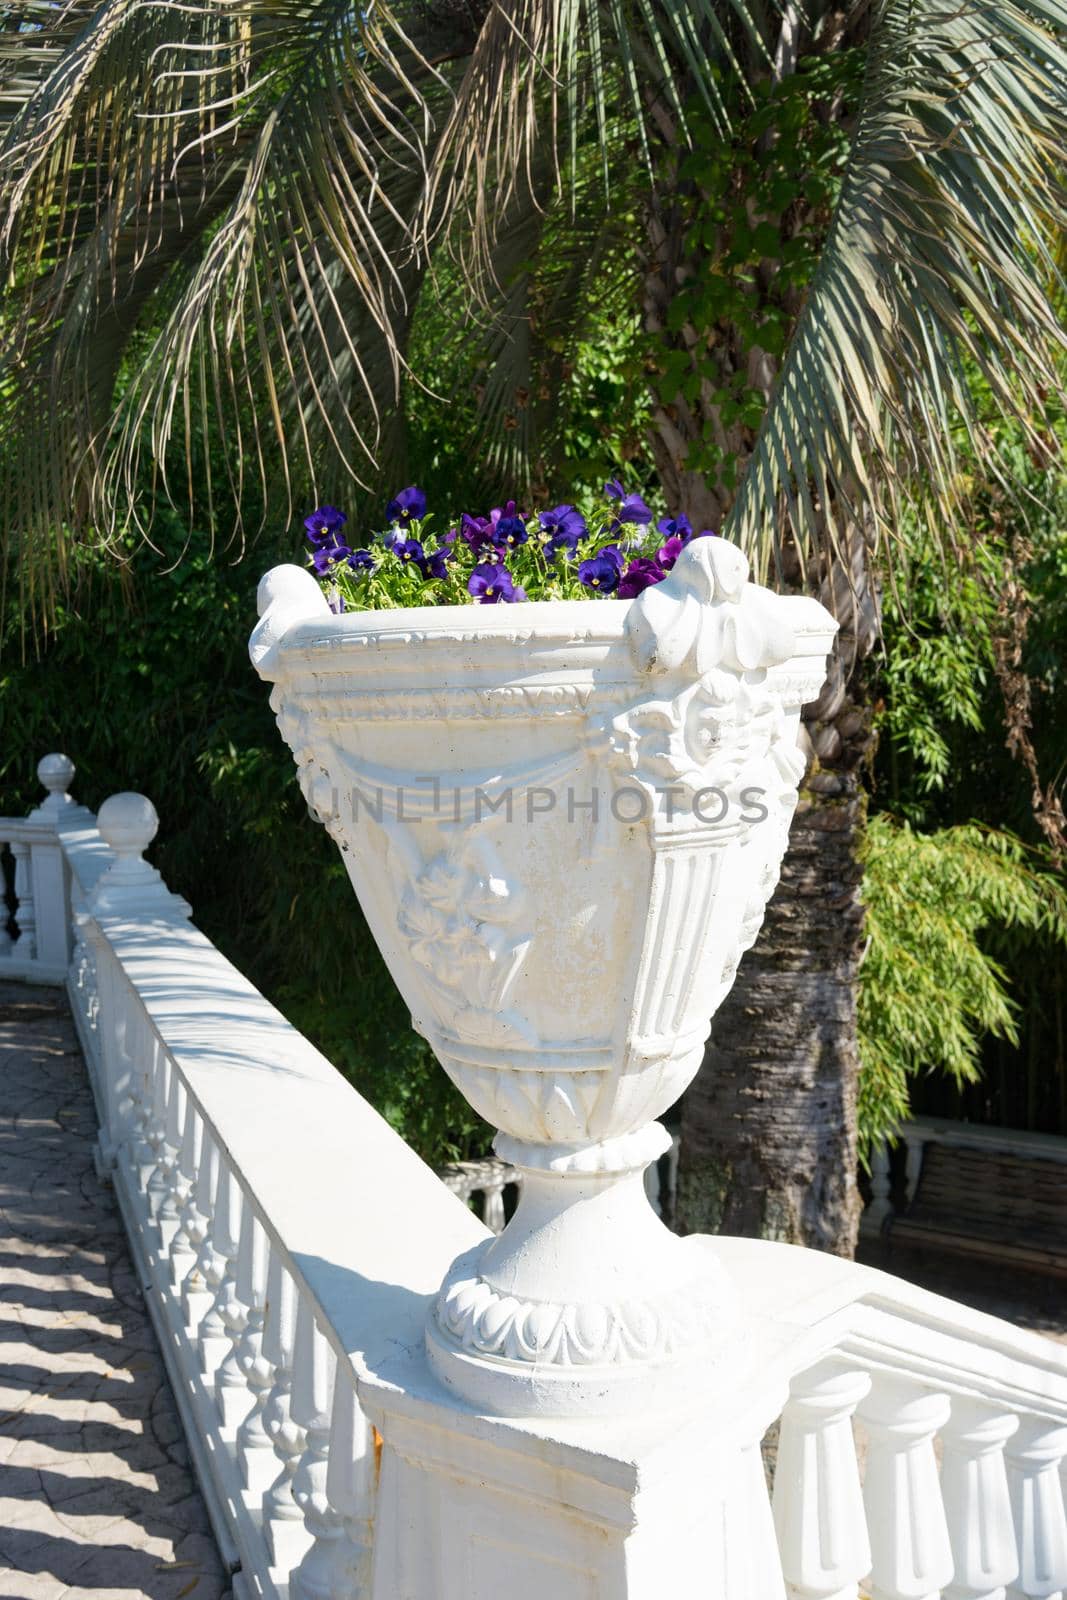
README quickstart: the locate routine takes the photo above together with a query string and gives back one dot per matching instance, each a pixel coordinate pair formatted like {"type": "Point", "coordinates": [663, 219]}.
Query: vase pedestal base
{"type": "Point", "coordinates": [586, 1304]}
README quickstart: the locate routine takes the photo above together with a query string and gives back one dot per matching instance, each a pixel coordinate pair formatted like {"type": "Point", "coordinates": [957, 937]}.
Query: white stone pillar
{"type": "Point", "coordinates": [818, 1500]}
{"type": "Point", "coordinates": [1034, 1458]}
{"type": "Point", "coordinates": [910, 1546]}
{"type": "Point", "coordinates": [974, 1487]}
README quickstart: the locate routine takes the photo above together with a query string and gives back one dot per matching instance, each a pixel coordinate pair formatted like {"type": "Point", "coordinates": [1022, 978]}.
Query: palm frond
{"type": "Point", "coordinates": [934, 277]}
{"type": "Point", "coordinates": [245, 175]}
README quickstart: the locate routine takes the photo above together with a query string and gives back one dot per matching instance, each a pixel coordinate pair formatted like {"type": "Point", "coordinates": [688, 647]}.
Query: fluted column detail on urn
{"type": "Point", "coordinates": [563, 821]}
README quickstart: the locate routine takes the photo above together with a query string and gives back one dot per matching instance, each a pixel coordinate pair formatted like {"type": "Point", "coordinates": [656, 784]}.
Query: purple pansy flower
{"type": "Point", "coordinates": [336, 603]}
{"type": "Point", "coordinates": [509, 529]}
{"type": "Point", "coordinates": [631, 507]}
{"type": "Point", "coordinates": [324, 525]}
{"type": "Point", "coordinates": [435, 565]}
{"type": "Point", "coordinates": [409, 550]}
{"type": "Point", "coordinates": [408, 506]}
{"type": "Point", "coordinates": [639, 575]}
{"type": "Point", "coordinates": [327, 555]}
{"type": "Point", "coordinates": [602, 571]}
{"type": "Point", "coordinates": [678, 527]}
{"type": "Point", "coordinates": [491, 582]}
{"type": "Point", "coordinates": [668, 553]}
{"type": "Point", "coordinates": [476, 531]}
{"type": "Point", "coordinates": [561, 529]}
{"type": "Point", "coordinates": [361, 561]}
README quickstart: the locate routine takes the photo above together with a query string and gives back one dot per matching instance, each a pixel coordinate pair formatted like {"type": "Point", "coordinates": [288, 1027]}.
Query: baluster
{"type": "Point", "coordinates": [753, 1568]}
{"type": "Point", "coordinates": [5, 937]}
{"type": "Point", "coordinates": [147, 1167]}
{"type": "Point", "coordinates": [493, 1192]}
{"type": "Point", "coordinates": [168, 1180]}
{"type": "Point", "coordinates": [192, 1224]}
{"type": "Point", "coordinates": [974, 1488]}
{"type": "Point", "coordinates": [282, 1516]}
{"type": "Point", "coordinates": [914, 1145]}
{"type": "Point", "coordinates": [242, 1311]}
{"type": "Point", "coordinates": [910, 1547]}
{"type": "Point", "coordinates": [880, 1209]}
{"type": "Point", "coordinates": [314, 1368]}
{"type": "Point", "coordinates": [25, 948]}
{"type": "Point", "coordinates": [148, 1070]}
{"type": "Point", "coordinates": [256, 1276]}
{"type": "Point", "coordinates": [653, 1187]}
{"type": "Point", "coordinates": [218, 1261]}
{"type": "Point", "coordinates": [351, 1487]}
{"type": "Point", "coordinates": [1033, 1460]}
{"type": "Point", "coordinates": [198, 1218]}
{"type": "Point", "coordinates": [818, 1501]}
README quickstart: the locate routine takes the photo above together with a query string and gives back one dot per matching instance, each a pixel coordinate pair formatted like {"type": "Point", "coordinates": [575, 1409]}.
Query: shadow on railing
{"type": "Point", "coordinates": [289, 1244]}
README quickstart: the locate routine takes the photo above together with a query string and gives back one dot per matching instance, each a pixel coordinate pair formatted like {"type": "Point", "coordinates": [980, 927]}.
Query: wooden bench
{"type": "Point", "coordinates": [989, 1192]}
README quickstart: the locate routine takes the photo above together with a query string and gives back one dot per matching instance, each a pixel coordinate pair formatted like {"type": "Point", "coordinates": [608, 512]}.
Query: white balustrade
{"type": "Point", "coordinates": [818, 1499]}
{"type": "Point", "coordinates": [290, 1303]}
{"type": "Point", "coordinates": [1034, 1458]}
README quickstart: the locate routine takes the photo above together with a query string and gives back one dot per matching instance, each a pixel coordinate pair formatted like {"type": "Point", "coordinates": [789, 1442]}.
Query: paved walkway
{"type": "Point", "coordinates": [97, 1497]}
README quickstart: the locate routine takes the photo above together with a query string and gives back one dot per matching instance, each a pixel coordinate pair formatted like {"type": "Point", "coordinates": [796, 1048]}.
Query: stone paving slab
{"type": "Point", "coordinates": [98, 1500]}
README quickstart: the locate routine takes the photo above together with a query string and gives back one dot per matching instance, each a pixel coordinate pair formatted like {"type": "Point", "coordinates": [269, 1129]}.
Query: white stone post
{"type": "Point", "coordinates": [50, 874]}
{"type": "Point", "coordinates": [818, 1500]}
{"type": "Point", "coordinates": [130, 888]}
{"type": "Point", "coordinates": [1034, 1458]}
{"type": "Point", "coordinates": [974, 1487]}
{"type": "Point", "coordinates": [910, 1546]}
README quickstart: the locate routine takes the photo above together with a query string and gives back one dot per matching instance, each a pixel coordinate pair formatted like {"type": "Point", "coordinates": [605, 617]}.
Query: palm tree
{"type": "Point", "coordinates": [219, 221]}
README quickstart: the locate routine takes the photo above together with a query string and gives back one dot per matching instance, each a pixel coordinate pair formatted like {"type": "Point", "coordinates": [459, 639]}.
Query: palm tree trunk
{"type": "Point", "coordinates": [769, 1125]}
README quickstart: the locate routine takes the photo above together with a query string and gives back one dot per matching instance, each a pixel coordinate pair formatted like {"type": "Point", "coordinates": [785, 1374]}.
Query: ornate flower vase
{"type": "Point", "coordinates": [563, 821]}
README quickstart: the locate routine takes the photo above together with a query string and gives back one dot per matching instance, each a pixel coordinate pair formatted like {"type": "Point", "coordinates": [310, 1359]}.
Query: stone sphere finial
{"type": "Point", "coordinates": [54, 773]}
{"type": "Point", "coordinates": [128, 823]}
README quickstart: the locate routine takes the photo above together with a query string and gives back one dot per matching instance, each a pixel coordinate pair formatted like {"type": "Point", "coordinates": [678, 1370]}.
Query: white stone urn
{"type": "Point", "coordinates": [563, 821]}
